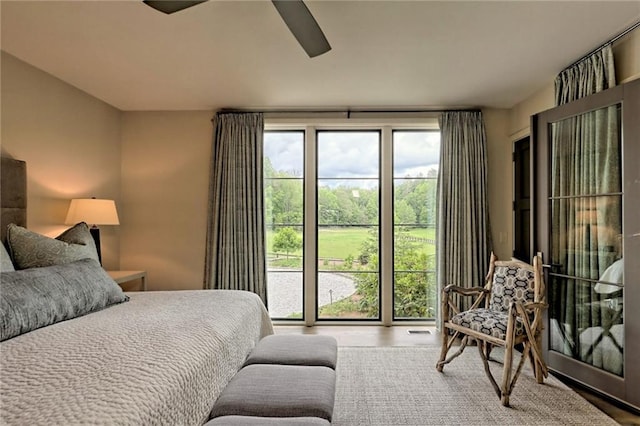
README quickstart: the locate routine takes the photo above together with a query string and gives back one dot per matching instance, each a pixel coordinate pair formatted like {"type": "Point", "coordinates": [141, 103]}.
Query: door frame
{"type": "Point", "coordinates": [517, 185]}
{"type": "Point", "coordinates": [623, 388]}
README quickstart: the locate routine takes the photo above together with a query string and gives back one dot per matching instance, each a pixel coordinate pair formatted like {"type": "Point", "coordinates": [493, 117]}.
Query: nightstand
{"type": "Point", "coordinates": [122, 277]}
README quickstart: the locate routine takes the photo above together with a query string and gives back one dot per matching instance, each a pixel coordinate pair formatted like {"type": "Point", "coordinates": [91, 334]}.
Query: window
{"type": "Point", "coordinates": [348, 165]}
{"type": "Point", "coordinates": [351, 236]}
{"type": "Point", "coordinates": [415, 180]}
{"type": "Point", "coordinates": [283, 204]}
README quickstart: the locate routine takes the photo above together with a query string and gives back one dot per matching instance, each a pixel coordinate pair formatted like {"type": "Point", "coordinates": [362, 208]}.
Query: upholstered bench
{"type": "Point", "coordinates": [295, 350]}
{"type": "Point", "coordinates": [288, 380]}
{"type": "Point", "coordinates": [267, 421]}
{"type": "Point", "coordinates": [269, 390]}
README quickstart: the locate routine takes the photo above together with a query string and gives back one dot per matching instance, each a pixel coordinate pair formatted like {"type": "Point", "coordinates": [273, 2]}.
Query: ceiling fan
{"type": "Point", "coordinates": [294, 13]}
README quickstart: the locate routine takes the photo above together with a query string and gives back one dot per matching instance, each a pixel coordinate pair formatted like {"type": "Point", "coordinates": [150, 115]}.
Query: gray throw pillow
{"type": "Point", "coordinates": [29, 249]}
{"type": "Point", "coordinates": [6, 265]}
{"type": "Point", "coordinates": [37, 297]}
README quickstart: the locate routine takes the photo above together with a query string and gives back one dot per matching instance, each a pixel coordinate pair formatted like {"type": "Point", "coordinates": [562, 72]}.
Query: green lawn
{"type": "Point", "coordinates": [338, 243]}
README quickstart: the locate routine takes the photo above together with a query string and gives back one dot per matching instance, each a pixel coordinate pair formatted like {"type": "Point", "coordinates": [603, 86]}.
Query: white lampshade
{"type": "Point", "coordinates": [92, 211]}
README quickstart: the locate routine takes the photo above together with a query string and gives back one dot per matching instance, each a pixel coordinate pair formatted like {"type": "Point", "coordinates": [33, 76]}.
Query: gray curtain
{"type": "Point", "coordinates": [591, 75]}
{"type": "Point", "coordinates": [464, 238]}
{"type": "Point", "coordinates": [585, 228]}
{"type": "Point", "coordinates": [235, 251]}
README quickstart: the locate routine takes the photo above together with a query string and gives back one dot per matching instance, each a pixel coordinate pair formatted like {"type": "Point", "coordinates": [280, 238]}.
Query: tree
{"type": "Point", "coordinates": [404, 214]}
{"type": "Point", "coordinates": [414, 292]}
{"type": "Point", "coordinates": [287, 240]}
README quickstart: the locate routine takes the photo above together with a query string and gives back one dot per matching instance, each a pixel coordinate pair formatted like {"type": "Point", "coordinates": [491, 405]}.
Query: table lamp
{"type": "Point", "coordinates": [94, 212]}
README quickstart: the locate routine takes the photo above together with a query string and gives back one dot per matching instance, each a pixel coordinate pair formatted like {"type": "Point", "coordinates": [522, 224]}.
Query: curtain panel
{"type": "Point", "coordinates": [593, 74]}
{"type": "Point", "coordinates": [586, 220]}
{"type": "Point", "coordinates": [235, 251]}
{"type": "Point", "coordinates": [463, 231]}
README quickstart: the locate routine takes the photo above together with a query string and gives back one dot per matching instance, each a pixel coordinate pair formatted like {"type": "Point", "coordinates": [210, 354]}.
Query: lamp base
{"type": "Point", "coordinates": [95, 233]}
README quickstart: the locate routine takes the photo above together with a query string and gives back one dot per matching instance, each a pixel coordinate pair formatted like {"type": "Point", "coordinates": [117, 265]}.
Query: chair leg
{"type": "Point", "coordinates": [443, 350]}
{"type": "Point", "coordinates": [442, 362]}
{"type": "Point", "coordinates": [508, 359]}
{"type": "Point", "coordinates": [537, 368]}
{"type": "Point", "coordinates": [506, 374]}
{"type": "Point", "coordinates": [540, 369]}
{"type": "Point", "coordinates": [484, 351]}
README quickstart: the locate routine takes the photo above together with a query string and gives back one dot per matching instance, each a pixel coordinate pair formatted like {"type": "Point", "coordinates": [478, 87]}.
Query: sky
{"type": "Point", "coordinates": [354, 154]}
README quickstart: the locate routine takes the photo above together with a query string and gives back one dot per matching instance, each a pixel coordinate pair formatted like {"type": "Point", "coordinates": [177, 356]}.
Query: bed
{"type": "Point", "coordinates": [158, 358]}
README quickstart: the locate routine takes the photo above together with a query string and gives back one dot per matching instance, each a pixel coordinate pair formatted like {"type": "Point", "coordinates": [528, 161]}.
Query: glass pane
{"type": "Point", "coordinates": [416, 156]}
{"type": "Point", "coordinates": [351, 202]}
{"type": "Point", "coordinates": [283, 154]}
{"type": "Point", "coordinates": [585, 292]}
{"type": "Point", "coordinates": [414, 201]}
{"type": "Point", "coordinates": [588, 325]}
{"type": "Point", "coordinates": [347, 248]}
{"type": "Point", "coordinates": [338, 299]}
{"type": "Point", "coordinates": [586, 235]}
{"type": "Point", "coordinates": [283, 201]}
{"type": "Point", "coordinates": [284, 294]}
{"type": "Point", "coordinates": [416, 153]}
{"type": "Point", "coordinates": [414, 249]}
{"type": "Point", "coordinates": [414, 295]}
{"type": "Point", "coordinates": [284, 247]}
{"type": "Point", "coordinates": [348, 154]}
{"type": "Point", "coordinates": [284, 210]}
{"type": "Point", "coordinates": [586, 153]}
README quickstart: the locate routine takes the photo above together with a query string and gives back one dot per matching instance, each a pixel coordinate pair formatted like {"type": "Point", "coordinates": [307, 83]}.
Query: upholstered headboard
{"type": "Point", "coordinates": [13, 193]}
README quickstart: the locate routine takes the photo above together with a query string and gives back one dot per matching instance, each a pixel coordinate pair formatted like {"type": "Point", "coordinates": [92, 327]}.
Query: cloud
{"type": "Point", "coordinates": [344, 155]}
{"type": "Point", "coordinates": [286, 151]}
{"type": "Point", "coordinates": [415, 153]}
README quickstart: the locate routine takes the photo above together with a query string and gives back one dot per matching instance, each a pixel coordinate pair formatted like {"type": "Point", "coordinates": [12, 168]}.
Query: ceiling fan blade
{"type": "Point", "coordinates": [169, 7]}
{"type": "Point", "coordinates": [303, 25]}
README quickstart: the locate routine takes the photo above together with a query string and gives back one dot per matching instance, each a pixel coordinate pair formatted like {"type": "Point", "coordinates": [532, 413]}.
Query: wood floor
{"type": "Point", "coordinates": [428, 336]}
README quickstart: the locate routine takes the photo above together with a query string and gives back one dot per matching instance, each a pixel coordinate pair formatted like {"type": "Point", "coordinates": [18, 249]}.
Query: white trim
{"type": "Point", "coordinates": [309, 220]}
{"type": "Point", "coordinates": [522, 133]}
{"type": "Point", "coordinates": [397, 323]}
{"type": "Point", "coordinates": [386, 225]}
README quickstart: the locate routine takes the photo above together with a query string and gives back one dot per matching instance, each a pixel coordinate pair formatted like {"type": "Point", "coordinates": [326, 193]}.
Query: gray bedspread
{"type": "Point", "coordinates": [161, 358]}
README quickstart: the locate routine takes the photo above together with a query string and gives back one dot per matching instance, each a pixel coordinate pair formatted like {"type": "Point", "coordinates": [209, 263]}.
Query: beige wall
{"type": "Point", "coordinates": [165, 174]}
{"type": "Point", "coordinates": [627, 56]}
{"type": "Point", "coordinates": [71, 143]}
{"type": "Point", "coordinates": [499, 180]}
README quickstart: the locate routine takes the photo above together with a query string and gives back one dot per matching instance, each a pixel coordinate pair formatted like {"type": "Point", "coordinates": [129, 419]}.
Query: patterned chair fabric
{"type": "Point", "coordinates": [487, 321]}
{"type": "Point", "coordinates": [511, 284]}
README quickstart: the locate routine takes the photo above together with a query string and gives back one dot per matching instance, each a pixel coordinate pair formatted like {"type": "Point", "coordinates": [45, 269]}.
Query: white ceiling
{"type": "Point", "coordinates": [239, 54]}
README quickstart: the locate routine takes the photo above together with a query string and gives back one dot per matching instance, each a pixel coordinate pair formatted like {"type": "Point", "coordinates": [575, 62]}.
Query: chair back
{"type": "Point", "coordinates": [513, 281]}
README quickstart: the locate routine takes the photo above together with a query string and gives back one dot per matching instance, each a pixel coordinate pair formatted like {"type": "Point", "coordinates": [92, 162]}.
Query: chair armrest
{"type": "Point", "coordinates": [535, 305]}
{"type": "Point", "coordinates": [448, 306]}
{"type": "Point", "coordinates": [465, 291]}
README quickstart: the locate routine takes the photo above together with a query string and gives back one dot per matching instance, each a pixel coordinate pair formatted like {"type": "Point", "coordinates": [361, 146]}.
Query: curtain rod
{"type": "Point", "coordinates": [346, 112]}
{"type": "Point", "coordinates": [613, 40]}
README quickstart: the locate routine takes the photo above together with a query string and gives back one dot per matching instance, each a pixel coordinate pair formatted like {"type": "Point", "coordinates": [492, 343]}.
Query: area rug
{"type": "Point", "coordinates": [388, 386]}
